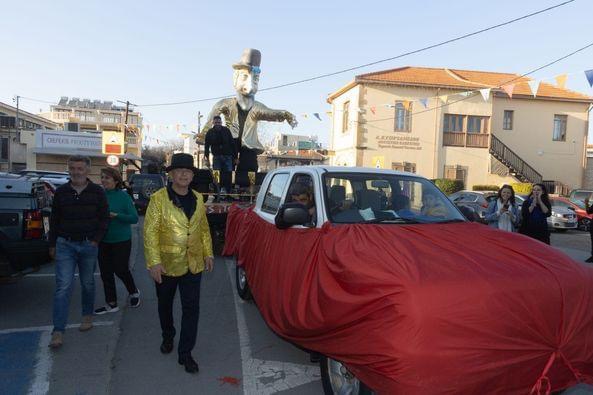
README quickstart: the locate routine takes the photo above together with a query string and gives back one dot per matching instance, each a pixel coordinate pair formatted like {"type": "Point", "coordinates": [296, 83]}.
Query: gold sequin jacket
{"type": "Point", "coordinates": [174, 241]}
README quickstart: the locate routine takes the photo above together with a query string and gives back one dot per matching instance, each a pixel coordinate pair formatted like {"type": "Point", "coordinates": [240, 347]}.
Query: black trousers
{"type": "Point", "coordinates": [247, 160]}
{"type": "Point", "coordinates": [591, 235]}
{"type": "Point", "coordinates": [189, 292]}
{"type": "Point", "coordinates": [114, 258]}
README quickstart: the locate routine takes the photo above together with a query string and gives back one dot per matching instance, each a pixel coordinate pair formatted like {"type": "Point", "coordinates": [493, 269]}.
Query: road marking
{"type": "Point", "coordinates": [261, 376]}
{"type": "Point", "coordinates": [40, 384]}
{"type": "Point", "coordinates": [49, 327]}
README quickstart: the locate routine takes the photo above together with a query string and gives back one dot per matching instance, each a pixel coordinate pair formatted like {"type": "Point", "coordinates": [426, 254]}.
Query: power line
{"type": "Point", "coordinates": [426, 48]}
{"type": "Point", "coordinates": [497, 87]}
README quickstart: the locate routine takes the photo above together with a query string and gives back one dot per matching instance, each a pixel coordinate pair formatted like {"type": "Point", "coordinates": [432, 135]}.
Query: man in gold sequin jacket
{"type": "Point", "coordinates": [178, 248]}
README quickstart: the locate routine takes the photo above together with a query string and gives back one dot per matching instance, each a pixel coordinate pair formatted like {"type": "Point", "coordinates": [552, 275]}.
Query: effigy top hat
{"type": "Point", "coordinates": [181, 161]}
{"type": "Point", "coordinates": [250, 59]}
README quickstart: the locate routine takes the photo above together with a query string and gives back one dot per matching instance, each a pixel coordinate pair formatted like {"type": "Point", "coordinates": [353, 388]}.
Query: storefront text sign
{"type": "Point", "coordinates": [399, 142]}
{"type": "Point", "coordinates": [57, 140]}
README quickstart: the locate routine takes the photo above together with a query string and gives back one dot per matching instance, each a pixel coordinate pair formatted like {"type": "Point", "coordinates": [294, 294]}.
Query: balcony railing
{"type": "Point", "coordinates": [132, 140]}
{"type": "Point", "coordinates": [471, 140]}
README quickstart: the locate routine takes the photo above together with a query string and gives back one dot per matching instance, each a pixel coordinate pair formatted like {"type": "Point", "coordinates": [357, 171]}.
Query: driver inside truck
{"type": "Point", "coordinates": [301, 193]}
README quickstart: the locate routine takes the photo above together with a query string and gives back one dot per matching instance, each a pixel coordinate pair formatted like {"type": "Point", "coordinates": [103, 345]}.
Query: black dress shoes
{"type": "Point", "coordinates": [190, 365]}
{"type": "Point", "coordinates": [167, 346]}
{"type": "Point", "coordinates": [590, 259]}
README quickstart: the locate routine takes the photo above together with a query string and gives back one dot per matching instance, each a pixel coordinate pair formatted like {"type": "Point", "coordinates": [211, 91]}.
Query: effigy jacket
{"type": "Point", "coordinates": [259, 112]}
{"type": "Point", "coordinates": [174, 241]}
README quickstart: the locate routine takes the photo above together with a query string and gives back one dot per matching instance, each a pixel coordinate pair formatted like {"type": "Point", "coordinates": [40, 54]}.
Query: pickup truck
{"type": "Point", "coordinates": [25, 206]}
{"type": "Point", "coordinates": [381, 274]}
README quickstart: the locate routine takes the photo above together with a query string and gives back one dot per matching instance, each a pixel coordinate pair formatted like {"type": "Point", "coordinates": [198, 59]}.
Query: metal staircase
{"type": "Point", "coordinates": [518, 168]}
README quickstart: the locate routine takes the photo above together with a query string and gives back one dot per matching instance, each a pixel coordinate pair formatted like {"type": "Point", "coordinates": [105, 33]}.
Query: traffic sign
{"type": "Point", "coordinates": [113, 143]}
{"type": "Point", "coordinates": [112, 160]}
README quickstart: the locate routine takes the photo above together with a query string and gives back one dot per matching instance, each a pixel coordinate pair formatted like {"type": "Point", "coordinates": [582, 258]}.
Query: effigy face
{"type": "Point", "coordinates": [246, 81]}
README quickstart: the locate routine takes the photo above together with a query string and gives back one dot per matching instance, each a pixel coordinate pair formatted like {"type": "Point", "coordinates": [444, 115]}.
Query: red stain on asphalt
{"type": "Point", "coordinates": [229, 380]}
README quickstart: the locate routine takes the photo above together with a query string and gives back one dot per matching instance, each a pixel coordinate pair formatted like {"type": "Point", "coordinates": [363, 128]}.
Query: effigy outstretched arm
{"type": "Point", "coordinates": [267, 114]}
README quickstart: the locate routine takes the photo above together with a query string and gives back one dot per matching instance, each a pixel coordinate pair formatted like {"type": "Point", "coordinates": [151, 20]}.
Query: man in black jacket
{"type": "Point", "coordinates": [224, 151]}
{"type": "Point", "coordinates": [78, 222]}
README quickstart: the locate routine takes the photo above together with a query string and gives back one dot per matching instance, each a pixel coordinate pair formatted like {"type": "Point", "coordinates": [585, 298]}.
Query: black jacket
{"type": "Point", "coordinates": [79, 216]}
{"type": "Point", "coordinates": [221, 141]}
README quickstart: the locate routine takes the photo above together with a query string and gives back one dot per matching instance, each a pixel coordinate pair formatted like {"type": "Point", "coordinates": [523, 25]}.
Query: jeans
{"type": "Point", "coordinates": [114, 258]}
{"type": "Point", "coordinates": [189, 292]}
{"type": "Point", "coordinates": [70, 254]}
{"type": "Point", "coordinates": [222, 162]}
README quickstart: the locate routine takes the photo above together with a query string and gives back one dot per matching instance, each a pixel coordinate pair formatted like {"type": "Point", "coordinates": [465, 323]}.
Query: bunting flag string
{"type": "Point", "coordinates": [561, 80]}
{"type": "Point", "coordinates": [509, 89]}
{"type": "Point", "coordinates": [534, 86]}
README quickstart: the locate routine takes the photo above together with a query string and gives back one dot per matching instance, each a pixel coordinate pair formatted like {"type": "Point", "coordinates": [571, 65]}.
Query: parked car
{"type": "Point", "coordinates": [380, 274]}
{"type": "Point", "coordinates": [578, 206]}
{"type": "Point", "coordinates": [25, 205]}
{"type": "Point", "coordinates": [562, 218]}
{"type": "Point", "coordinates": [477, 200]}
{"type": "Point", "coordinates": [580, 194]}
{"type": "Point", "coordinates": [54, 178]}
{"type": "Point", "coordinates": [143, 186]}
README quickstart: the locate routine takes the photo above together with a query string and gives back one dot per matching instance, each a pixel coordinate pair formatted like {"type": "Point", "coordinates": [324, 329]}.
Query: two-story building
{"type": "Point", "coordinates": [460, 124]}
{"type": "Point", "coordinates": [89, 118]}
{"type": "Point", "coordinates": [13, 153]}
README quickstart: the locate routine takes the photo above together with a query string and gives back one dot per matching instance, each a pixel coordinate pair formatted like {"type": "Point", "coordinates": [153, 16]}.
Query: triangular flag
{"type": "Point", "coordinates": [316, 115]}
{"type": "Point", "coordinates": [305, 116]}
{"type": "Point", "coordinates": [534, 86]}
{"type": "Point", "coordinates": [485, 93]}
{"type": "Point", "coordinates": [407, 104]}
{"type": "Point", "coordinates": [424, 102]}
{"type": "Point", "coordinates": [465, 94]}
{"type": "Point", "coordinates": [444, 98]}
{"type": "Point", "coordinates": [509, 89]}
{"type": "Point", "coordinates": [373, 109]}
{"type": "Point", "coordinates": [589, 75]}
{"type": "Point", "coordinates": [561, 80]}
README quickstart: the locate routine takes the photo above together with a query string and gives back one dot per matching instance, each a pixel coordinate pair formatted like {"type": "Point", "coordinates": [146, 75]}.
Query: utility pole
{"type": "Point", "coordinates": [16, 125]}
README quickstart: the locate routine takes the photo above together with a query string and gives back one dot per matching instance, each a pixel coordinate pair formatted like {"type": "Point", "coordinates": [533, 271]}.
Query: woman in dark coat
{"type": "Point", "coordinates": [535, 211]}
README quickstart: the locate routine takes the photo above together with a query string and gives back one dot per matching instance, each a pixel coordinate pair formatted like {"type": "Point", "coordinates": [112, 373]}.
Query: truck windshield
{"type": "Point", "coordinates": [385, 198]}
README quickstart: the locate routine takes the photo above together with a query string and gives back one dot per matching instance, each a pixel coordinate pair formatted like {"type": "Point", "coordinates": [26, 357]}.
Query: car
{"type": "Point", "coordinates": [382, 276]}
{"type": "Point", "coordinates": [25, 206]}
{"type": "Point", "coordinates": [580, 194]}
{"type": "Point", "coordinates": [562, 218]}
{"type": "Point", "coordinates": [578, 207]}
{"type": "Point", "coordinates": [54, 178]}
{"type": "Point", "coordinates": [477, 200]}
{"type": "Point", "coordinates": [143, 185]}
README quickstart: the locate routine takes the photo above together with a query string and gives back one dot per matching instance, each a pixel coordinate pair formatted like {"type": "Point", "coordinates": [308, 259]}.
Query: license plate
{"type": "Point", "coordinates": [571, 224]}
{"type": "Point", "coordinates": [136, 195]}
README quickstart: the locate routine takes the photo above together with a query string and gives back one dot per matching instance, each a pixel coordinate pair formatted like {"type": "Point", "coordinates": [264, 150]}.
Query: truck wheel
{"type": "Point", "coordinates": [336, 379]}
{"type": "Point", "coordinates": [242, 285]}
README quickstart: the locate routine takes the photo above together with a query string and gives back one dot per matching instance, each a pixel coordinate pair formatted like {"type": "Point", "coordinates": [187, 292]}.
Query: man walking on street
{"type": "Point", "coordinates": [224, 152]}
{"type": "Point", "coordinates": [78, 222]}
{"type": "Point", "coordinates": [178, 248]}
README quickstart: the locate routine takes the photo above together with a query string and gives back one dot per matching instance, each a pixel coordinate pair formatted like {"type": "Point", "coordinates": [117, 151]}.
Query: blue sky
{"type": "Point", "coordinates": [154, 52]}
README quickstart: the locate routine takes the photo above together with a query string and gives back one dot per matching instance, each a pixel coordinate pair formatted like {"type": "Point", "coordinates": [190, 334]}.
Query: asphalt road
{"type": "Point", "coordinates": [236, 351]}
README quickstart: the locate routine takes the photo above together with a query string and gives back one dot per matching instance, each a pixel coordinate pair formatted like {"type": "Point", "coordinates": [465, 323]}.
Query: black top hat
{"type": "Point", "coordinates": [181, 161]}
{"type": "Point", "coordinates": [249, 59]}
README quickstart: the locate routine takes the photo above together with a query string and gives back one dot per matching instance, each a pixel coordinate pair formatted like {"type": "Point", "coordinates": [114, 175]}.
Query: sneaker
{"type": "Point", "coordinates": [86, 324]}
{"type": "Point", "coordinates": [167, 346]}
{"type": "Point", "coordinates": [135, 299]}
{"type": "Point", "coordinates": [106, 309]}
{"type": "Point", "coordinates": [56, 340]}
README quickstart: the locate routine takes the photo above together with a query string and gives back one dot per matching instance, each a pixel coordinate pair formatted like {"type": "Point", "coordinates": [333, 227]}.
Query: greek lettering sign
{"type": "Point", "coordinates": [399, 142]}
{"type": "Point", "coordinates": [59, 140]}
{"type": "Point", "coordinates": [113, 143]}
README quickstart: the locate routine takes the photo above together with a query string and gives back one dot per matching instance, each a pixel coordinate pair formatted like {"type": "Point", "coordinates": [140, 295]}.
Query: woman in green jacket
{"type": "Point", "coordinates": [114, 249]}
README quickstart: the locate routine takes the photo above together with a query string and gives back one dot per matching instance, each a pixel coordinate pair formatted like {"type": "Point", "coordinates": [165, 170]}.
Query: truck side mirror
{"type": "Point", "coordinates": [291, 214]}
